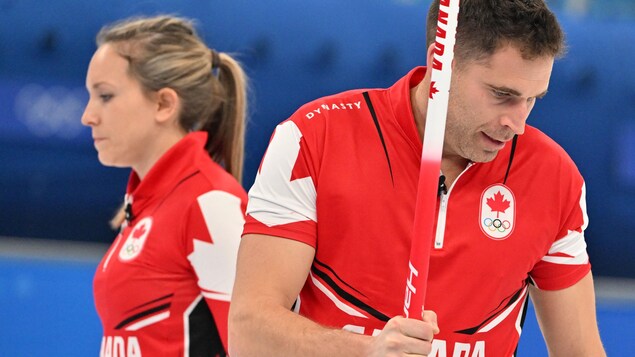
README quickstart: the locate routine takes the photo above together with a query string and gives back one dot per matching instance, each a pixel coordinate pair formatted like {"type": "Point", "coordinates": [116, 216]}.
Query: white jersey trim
{"type": "Point", "coordinates": [573, 245]}
{"type": "Point", "coordinates": [275, 199]}
{"type": "Point", "coordinates": [339, 304]}
{"type": "Point", "coordinates": [149, 321]}
{"type": "Point", "coordinates": [186, 325]}
{"type": "Point", "coordinates": [217, 296]}
{"type": "Point", "coordinates": [505, 313]}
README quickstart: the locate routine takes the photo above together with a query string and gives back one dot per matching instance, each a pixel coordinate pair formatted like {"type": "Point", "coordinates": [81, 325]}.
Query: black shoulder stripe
{"type": "Point", "coordinates": [511, 157]}
{"type": "Point", "coordinates": [174, 189]}
{"type": "Point", "coordinates": [381, 136]}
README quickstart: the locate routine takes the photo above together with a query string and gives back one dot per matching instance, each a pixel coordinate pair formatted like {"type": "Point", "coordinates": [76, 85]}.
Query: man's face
{"type": "Point", "coordinates": [490, 101]}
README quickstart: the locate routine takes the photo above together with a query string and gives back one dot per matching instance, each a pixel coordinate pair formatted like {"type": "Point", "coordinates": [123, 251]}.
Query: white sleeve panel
{"type": "Point", "coordinates": [275, 199]}
{"type": "Point", "coordinates": [215, 263]}
{"type": "Point", "coordinates": [571, 249]}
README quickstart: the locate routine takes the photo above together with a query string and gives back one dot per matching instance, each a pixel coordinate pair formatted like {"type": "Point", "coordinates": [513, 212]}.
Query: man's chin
{"type": "Point", "coordinates": [484, 157]}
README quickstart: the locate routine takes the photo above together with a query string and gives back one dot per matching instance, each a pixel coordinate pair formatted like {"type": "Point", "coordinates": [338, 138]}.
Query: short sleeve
{"type": "Point", "coordinates": [282, 201]}
{"type": "Point", "coordinates": [567, 260]}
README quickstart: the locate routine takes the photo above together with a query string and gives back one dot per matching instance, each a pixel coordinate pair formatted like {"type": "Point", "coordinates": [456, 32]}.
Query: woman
{"type": "Point", "coordinates": [165, 105]}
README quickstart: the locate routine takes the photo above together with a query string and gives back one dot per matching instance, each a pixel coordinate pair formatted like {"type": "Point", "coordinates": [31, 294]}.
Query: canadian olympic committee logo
{"type": "Point", "coordinates": [136, 239]}
{"type": "Point", "coordinates": [498, 212]}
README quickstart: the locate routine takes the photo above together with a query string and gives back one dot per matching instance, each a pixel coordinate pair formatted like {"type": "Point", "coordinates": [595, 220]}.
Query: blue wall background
{"type": "Point", "coordinates": [52, 185]}
{"type": "Point", "coordinates": [46, 309]}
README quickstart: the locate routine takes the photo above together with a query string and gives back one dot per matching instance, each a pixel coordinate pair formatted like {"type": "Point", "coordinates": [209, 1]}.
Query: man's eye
{"type": "Point", "coordinates": [500, 94]}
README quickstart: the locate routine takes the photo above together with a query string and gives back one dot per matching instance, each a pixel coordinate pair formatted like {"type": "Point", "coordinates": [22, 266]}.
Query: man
{"type": "Point", "coordinates": [324, 257]}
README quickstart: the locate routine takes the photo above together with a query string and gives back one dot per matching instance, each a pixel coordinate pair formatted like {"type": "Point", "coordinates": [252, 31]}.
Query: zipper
{"type": "Point", "coordinates": [439, 238]}
{"type": "Point", "coordinates": [443, 207]}
{"type": "Point", "coordinates": [115, 246]}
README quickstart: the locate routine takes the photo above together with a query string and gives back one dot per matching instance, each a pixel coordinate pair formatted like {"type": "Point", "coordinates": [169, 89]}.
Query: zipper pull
{"type": "Point", "coordinates": [443, 189]}
{"type": "Point", "coordinates": [128, 208]}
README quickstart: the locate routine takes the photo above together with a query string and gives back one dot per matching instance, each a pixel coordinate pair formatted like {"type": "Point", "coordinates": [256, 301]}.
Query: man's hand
{"type": "Point", "coordinates": [406, 337]}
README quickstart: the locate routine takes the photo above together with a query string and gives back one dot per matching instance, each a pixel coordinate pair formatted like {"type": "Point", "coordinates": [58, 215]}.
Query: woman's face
{"type": "Point", "coordinates": [121, 116]}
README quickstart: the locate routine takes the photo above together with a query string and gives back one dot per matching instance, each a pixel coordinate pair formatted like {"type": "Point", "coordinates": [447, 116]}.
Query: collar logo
{"type": "Point", "coordinates": [498, 212]}
{"type": "Point", "coordinates": [136, 239]}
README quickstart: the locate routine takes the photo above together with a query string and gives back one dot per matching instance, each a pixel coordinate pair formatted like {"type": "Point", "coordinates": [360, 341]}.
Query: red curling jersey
{"type": "Point", "coordinates": [164, 286]}
{"type": "Point", "coordinates": [341, 176]}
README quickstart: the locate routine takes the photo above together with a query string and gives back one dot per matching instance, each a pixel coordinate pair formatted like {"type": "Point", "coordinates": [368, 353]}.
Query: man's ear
{"type": "Point", "coordinates": [168, 105]}
{"type": "Point", "coordinates": [430, 55]}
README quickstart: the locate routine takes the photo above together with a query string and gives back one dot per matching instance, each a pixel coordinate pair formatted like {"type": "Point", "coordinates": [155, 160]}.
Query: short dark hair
{"type": "Point", "coordinates": [486, 25]}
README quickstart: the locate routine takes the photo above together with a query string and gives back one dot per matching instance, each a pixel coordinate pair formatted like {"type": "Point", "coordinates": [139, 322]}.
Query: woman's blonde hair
{"type": "Point", "coordinates": [166, 52]}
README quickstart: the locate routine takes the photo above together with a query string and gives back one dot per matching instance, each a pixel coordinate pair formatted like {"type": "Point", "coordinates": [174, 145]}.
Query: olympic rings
{"type": "Point", "coordinates": [496, 224]}
{"type": "Point", "coordinates": [131, 248]}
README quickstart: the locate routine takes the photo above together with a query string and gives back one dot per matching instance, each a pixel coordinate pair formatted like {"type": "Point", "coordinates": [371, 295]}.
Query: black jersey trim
{"type": "Point", "coordinates": [165, 197]}
{"type": "Point", "coordinates": [142, 314]}
{"type": "Point", "coordinates": [337, 276]}
{"type": "Point", "coordinates": [522, 323]}
{"type": "Point", "coordinates": [511, 157]}
{"type": "Point", "coordinates": [204, 337]}
{"type": "Point", "coordinates": [151, 302]}
{"type": "Point", "coordinates": [347, 296]}
{"type": "Point", "coordinates": [371, 108]}
{"type": "Point", "coordinates": [514, 298]}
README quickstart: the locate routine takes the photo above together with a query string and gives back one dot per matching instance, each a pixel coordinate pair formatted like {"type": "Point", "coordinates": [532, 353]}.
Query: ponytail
{"type": "Point", "coordinates": [226, 125]}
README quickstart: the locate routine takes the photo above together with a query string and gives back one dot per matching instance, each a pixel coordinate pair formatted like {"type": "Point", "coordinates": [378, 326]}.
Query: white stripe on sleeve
{"type": "Point", "coordinates": [571, 249]}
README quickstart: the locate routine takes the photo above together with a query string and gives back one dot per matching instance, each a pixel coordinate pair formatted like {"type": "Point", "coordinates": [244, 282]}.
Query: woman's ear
{"type": "Point", "coordinates": [168, 105]}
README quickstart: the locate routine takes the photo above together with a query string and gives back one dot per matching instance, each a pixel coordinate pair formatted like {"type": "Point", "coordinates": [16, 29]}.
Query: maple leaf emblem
{"type": "Point", "coordinates": [433, 89]}
{"type": "Point", "coordinates": [498, 204]}
{"type": "Point", "coordinates": [139, 232]}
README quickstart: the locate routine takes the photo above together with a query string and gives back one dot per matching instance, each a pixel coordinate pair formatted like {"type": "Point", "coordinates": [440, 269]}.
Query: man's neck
{"type": "Point", "coordinates": [419, 102]}
{"type": "Point", "coordinates": [452, 167]}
